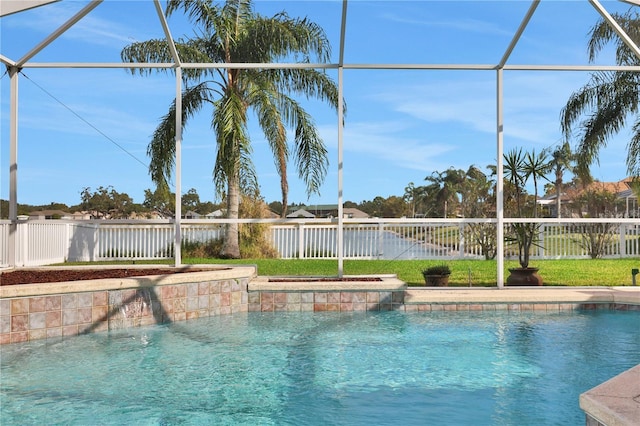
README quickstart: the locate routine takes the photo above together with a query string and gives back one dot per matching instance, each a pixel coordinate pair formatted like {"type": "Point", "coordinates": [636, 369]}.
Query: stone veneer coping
{"type": "Point", "coordinates": [32, 311]}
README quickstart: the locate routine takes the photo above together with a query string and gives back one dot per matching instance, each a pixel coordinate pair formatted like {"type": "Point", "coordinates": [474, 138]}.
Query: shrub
{"type": "Point", "coordinates": [442, 269]}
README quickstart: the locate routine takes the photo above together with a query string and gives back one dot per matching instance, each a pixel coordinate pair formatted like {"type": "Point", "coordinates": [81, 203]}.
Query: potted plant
{"type": "Point", "coordinates": [524, 235]}
{"type": "Point", "coordinates": [518, 169]}
{"type": "Point", "coordinates": [437, 275]}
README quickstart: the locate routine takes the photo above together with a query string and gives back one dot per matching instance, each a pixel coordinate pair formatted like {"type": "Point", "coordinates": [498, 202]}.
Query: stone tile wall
{"type": "Point", "coordinates": [39, 317]}
{"type": "Point", "coordinates": [325, 301]}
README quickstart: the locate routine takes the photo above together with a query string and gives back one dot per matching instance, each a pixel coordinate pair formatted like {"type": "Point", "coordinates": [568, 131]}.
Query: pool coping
{"type": "Point", "coordinates": [616, 401]}
{"type": "Point", "coordinates": [214, 272]}
{"type": "Point", "coordinates": [533, 295]}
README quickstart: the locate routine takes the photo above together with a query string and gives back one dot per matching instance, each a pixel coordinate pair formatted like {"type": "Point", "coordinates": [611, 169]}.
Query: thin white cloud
{"type": "Point", "coordinates": [532, 104]}
{"type": "Point", "coordinates": [90, 29]}
{"type": "Point", "coordinates": [385, 141]}
{"type": "Point", "coordinates": [458, 25]}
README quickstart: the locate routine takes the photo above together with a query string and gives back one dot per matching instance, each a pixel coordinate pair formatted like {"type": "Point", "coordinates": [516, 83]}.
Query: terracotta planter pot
{"type": "Point", "coordinates": [524, 277]}
{"type": "Point", "coordinates": [436, 280]}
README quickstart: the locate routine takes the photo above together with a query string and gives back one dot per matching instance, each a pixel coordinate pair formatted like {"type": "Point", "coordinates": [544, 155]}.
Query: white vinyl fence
{"type": "Point", "coordinates": [43, 242]}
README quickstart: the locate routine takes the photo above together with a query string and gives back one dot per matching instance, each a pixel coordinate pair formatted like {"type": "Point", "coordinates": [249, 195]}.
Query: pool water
{"type": "Point", "coordinates": [446, 368]}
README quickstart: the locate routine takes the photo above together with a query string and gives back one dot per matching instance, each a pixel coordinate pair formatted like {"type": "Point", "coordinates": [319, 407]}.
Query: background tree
{"type": "Point", "coordinates": [447, 184]}
{"type": "Point", "coordinates": [608, 101]}
{"type": "Point", "coordinates": [191, 201]}
{"type": "Point", "coordinates": [276, 207]}
{"type": "Point", "coordinates": [477, 193]}
{"type": "Point", "coordinates": [595, 238]}
{"type": "Point", "coordinates": [561, 160]}
{"type": "Point", "coordinates": [235, 33]}
{"type": "Point", "coordinates": [106, 203]}
{"type": "Point", "coordinates": [415, 197]}
{"type": "Point", "coordinates": [393, 206]}
{"type": "Point", "coordinates": [160, 200]}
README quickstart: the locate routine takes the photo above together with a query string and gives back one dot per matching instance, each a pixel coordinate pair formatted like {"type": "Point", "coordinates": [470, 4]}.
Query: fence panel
{"type": "Point", "coordinates": [46, 241]}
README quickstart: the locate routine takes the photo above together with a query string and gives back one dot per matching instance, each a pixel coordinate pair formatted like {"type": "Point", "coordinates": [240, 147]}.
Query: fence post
{"type": "Point", "coordinates": [461, 240]}
{"type": "Point", "coordinates": [541, 234]}
{"type": "Point", "coordinates": [380, 240]}
{"type": "Point", "coordinates": [301, 240]}
{"type": "Point", "coordinates": [623, 239]}
{"type": "Point", "coordinates": [22, 243]}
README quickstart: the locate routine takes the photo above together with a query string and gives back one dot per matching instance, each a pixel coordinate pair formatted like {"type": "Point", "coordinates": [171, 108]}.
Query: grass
{"type": "Point", "coordinates": [565, 272]}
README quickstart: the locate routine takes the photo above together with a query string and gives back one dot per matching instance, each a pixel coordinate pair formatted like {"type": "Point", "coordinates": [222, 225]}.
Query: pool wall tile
{"type": "Point", "coordinates": [48, 316]}
{"type": "Point", "coordinates": [38, 317]}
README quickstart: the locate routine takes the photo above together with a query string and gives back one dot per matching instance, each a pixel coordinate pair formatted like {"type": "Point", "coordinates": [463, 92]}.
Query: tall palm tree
{"type": "Point", "coordinates": [234, 33]}
{"type": "Point", "coordinates": [561, 159]}
{"type": "Point", "coordinates": [609, 100]}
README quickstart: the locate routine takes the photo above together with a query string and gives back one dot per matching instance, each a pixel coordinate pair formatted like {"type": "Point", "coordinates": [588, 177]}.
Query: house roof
{"type": "Point", "coordinates": [301, 213]}
{"type": "Point", "coordinates": [41, 213]}
{"type": "Point", "coordinates": [355, 213]}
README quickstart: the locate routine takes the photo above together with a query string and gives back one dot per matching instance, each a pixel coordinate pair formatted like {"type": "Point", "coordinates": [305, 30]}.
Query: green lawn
{"type": "Point", "coordinates": [582, 272]}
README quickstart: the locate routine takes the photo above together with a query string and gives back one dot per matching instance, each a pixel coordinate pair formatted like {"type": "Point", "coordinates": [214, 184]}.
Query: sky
{"type": "Point", "coordinates": [88, 128]}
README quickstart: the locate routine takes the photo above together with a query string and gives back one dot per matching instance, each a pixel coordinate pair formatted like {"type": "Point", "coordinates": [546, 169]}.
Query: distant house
{"type": "Point", "coordinates": [81, 216]}
{"type": "Point", "coordinates": [191, 215]}
{"type": "Point", "coordinates": [622, 189]}
{"type": "Point", "coordinates": [327, 210]}
{"type": "Point", "coordinates": [353, 213]}
{"type": "Point", "coordinates": [50, 214]}
{"type": "Point", "coordinates": [301, 213]}
{"type": "Point", "coordinates": [215, 214]}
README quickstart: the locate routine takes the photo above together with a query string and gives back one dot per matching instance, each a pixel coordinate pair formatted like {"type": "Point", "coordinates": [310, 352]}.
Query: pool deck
{"type": "Point", "coordinates": [537, 295]}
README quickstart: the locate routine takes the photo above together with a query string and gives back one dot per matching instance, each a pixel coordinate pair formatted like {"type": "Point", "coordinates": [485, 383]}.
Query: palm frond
{"type": "Point", "coordinates": [162, 149]}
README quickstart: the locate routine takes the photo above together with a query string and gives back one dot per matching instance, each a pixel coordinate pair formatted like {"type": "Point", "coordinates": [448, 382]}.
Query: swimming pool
{"type": "Point", "coordinates": [446, 368]}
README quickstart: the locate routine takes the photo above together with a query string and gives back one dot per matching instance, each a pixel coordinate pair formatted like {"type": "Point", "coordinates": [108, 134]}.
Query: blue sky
{"type": "Point", "coordinates": [88, 128]}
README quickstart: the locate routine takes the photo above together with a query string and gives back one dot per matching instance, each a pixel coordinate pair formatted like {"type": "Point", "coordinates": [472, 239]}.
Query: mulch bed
{"type": "Point", "coordinates": [51, 276]}
{"type": "Point", "coordinates": [29, 276]}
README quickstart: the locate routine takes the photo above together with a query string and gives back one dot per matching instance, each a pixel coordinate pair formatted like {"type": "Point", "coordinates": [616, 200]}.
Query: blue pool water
{"type": "Point", "coordinates": [381, 368]}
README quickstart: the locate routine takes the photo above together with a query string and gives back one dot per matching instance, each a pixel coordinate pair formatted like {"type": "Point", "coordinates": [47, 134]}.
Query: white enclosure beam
{"type": "Point", "coordinates": [617, 28]}
{"type": "Point", "coordinates": [14, 72]}
{"type": "Point", "coordinates": [167, 32]}
{"type": "Point", "coordinates": [499, 179]}
{"type": "Point", "coordinates": [518, 34]}
{"type": "Point", "coordinates": [340, 238]}
{"type": "Point", "coordinates": [177, 250]}
{"type": "Point", "coordinates": [57, 33]}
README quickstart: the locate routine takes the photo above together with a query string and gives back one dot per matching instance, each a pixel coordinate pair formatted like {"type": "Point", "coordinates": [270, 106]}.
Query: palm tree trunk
{"type": "Point", "coordinates": [558, 192]}
{"type": "Point", "coordinates": [231, 246]}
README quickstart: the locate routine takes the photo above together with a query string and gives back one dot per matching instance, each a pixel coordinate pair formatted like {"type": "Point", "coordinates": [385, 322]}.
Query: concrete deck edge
{"type": "Point", "coordinates": [615, 402]}
{"type": "Point", "coordinates": [623, 295]}
{"type": "Point", "coordinates": [270, 283]}
{"type": "Point", "coordinates": [217, 273]}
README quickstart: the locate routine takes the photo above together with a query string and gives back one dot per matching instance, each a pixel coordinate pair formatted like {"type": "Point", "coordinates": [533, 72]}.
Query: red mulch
{"type": "Point", "coordinates": [28, 276]}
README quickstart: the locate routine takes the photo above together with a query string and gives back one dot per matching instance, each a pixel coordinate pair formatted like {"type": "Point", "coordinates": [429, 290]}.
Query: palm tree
{"type": "Point", "coordinates": [234, 33]}
{"type": "Point", "coordinates": [536, 167]}
{"type": "Point", "coordinates": [561, 160]}
{"type": "Point", "coordinates": [609, 100]}
{"type": "Point", "coordinates": [514, 163]}
{"type": "Point", "coordinates": [447, 184]}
